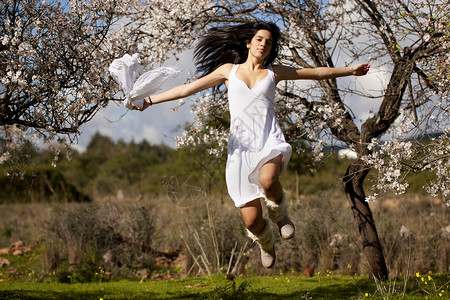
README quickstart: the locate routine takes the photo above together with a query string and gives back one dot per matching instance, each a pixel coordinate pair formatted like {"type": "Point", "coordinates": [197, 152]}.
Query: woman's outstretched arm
{"type": "Point", "coordinates": [320, 73]}
{"type": "Point", "coordinates": [218, 76]}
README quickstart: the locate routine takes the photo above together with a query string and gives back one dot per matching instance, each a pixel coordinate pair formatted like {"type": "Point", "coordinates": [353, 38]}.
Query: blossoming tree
{"type": "Point", "coordinates": [54, 58]}
{"type": "Point", "coordinates": [54, 63]}
{"type": "Point", "coordinates": [52, 68]}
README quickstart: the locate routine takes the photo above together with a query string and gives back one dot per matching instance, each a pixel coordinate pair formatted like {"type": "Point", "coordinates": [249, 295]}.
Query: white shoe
{"type": "Point", "coordinates": [266, 241]}
{"type": "Point", "coordinates": [268, 258]}
{"type": "Point", "coordinates": [278, 213]}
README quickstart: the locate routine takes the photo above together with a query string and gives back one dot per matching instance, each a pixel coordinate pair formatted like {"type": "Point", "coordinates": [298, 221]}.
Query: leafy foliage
{"type": "Point", "coordinates": [106, 169]}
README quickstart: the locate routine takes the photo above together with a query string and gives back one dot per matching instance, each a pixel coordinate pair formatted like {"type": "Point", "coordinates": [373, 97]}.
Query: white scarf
{"type": "Point", "coordinates": [137, 83]}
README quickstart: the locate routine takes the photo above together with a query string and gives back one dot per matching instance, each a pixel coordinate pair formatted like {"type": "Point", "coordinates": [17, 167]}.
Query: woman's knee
{"type": "Point", "coordinates": [252, 216]}
{"type": "Point", "coordinates": [270, 172]}
{"type": "Point", "coordinates": [268, 180]}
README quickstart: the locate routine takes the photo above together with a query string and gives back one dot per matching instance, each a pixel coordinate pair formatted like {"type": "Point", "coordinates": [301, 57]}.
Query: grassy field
{"type": "Point", "coordinates": [73, 246]}
{"type": "Point", "coordinates": [218, 287]}
{"type": "Point", "coordinates": [151, 220]}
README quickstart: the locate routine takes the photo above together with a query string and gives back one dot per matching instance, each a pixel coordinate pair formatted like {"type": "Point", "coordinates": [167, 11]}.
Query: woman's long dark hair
{"type": "Point", "coordinates": [228, 44]}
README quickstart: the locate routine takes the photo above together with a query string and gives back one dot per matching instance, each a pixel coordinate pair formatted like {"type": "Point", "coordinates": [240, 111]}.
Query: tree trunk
{"type": "Point", "coordinates": [372, 250]}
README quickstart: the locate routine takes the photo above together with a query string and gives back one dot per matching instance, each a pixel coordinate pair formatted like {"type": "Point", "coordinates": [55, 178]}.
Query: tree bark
{"type": "Point", "coordinates": [372, 249]}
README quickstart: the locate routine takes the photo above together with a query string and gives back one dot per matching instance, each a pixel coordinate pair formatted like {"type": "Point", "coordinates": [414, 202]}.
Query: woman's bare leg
{"type": "Point", "coordinates": [259, 230]}
{"type": "Point", "coordinates": [275, 199]}
{"type": "Point", "coordinates": [269, 178]}
{"type": "Point", "coordinates": [253, 216]}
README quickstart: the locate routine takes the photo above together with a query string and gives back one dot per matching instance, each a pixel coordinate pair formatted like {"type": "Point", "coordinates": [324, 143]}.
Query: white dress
{"type": "Point", "coordinates": [255, 136]}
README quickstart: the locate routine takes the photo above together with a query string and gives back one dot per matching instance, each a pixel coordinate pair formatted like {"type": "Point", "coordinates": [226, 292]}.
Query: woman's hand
{"type": "Point", "coordinates": [361, 69]}
{"type": "Point", "coordinates": [147, 103]}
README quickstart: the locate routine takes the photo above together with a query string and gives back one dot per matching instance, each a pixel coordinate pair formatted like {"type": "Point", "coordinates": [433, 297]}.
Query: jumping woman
{"type": "Point", "coordinates": [241, 57]}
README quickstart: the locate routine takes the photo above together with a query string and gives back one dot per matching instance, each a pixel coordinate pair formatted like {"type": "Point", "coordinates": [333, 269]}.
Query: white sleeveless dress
{"type": "Point", "coordinates": [255, 136]}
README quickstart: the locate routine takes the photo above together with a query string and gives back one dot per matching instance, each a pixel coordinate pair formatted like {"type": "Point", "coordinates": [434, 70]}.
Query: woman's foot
{"type": "Point", "coordinates": [266, 241]}
{"type": "Point", "coordinates": [268, 257]}
{"type": "Point", "coordinates": [286, 228]}
{"type": "Point", "coordinates": [278, 213]}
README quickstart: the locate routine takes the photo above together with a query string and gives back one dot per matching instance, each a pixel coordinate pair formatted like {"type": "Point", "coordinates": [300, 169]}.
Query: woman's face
{"type": "Point", "coordinates": [260, 45]}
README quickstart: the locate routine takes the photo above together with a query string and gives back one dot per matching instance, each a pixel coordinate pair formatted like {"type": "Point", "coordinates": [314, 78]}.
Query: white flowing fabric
{"type": "Point", "coordinates": [137, 83]}
{"type": "Point", "coordinates": [255, 136]}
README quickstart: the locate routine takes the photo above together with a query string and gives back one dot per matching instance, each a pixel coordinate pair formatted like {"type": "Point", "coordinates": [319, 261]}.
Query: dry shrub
{"type": "Point", "coordinates": [209, 229]}
{"type": "Point", "coordinates": [327, 238]}
{"type": "Point", "coordinates": [412, 232]}
{"type": "Point", "coordinates": [113, 237]}
{"type": "Point", "coordinates": [324, 240]}
{"type": "Point", "coordinates": [123, 237]}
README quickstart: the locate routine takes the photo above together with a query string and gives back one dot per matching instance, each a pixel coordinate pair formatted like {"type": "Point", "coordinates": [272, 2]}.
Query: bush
{"type": "Point", "coordinates": [83, 238]}
{"type": "Point", "coordinates": [37, 184]}
{"type": "Point", "coordinates": [323, 240]}
{"type": "Point", "coordinates": [209, 230]}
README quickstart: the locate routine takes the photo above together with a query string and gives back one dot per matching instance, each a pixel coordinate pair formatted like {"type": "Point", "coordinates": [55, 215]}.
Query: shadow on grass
{"type": "Point", "coordinates": [333, 291]}
{"type": "Point", "coordinates": [217, 287]}
{"type": "Point", "coordinates": [212, 289]}
{"type": "Point", "coordinates": [29, 295]}
{"type": "Point", "coordinates": [69, 295]}
{"type": "Point", "coordinates": [301, 289]}
{"type": "Point", "coordinates": [246, 289]}
{"type": "Point", "coordinates": [337, 291]}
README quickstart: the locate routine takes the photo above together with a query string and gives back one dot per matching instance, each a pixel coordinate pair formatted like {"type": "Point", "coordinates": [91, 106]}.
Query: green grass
{"type": "Point", "coordinates": [216, 287]}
